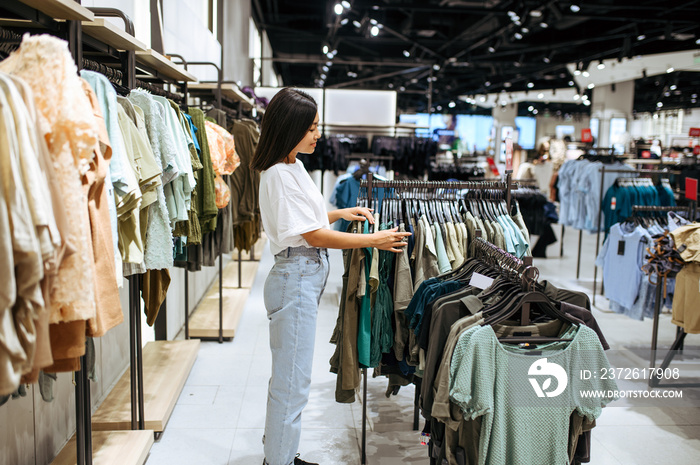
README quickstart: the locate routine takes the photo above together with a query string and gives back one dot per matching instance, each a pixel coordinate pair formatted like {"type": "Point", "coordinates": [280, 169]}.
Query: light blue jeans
{"type": "Point", "coordinates": [292, 293]}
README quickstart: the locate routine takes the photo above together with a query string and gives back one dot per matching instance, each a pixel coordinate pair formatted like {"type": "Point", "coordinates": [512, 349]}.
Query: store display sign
{"type": "Point", "coordinates": [586, 135]}
{"type": "Point", "coordinates": [509, 154]}
{"type": "Point", "coordinates": [694, 132]}
{"type": "Point", "coordinates": [691, 189]}
{"type": "Point", "coordinates": [696, 150]}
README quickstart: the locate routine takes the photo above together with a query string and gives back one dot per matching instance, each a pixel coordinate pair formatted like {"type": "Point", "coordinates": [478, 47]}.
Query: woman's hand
{"type": "Point", "coordinates": [356, 214]}
{"type": "Point", "coordinates": [390, 239]}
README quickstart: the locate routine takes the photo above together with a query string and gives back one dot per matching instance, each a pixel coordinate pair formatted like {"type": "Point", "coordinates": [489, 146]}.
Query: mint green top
{"type": "Point", "coordinates": [499, 383]}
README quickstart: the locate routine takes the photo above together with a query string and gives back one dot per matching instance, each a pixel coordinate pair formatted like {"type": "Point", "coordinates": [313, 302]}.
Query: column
{"type": "Point", "coordinates": [611, 104]}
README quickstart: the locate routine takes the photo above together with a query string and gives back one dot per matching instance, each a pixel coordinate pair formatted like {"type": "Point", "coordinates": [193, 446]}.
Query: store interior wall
{"type": "Point", "coordinates": [547, 126]}
{"type": "Point", "coordinates": [238, 66]}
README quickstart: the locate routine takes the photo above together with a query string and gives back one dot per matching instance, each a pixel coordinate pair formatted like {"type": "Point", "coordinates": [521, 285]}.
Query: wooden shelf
{"type": "Point", "coordinates": [166, 366]}
{"type": "Point", "coordinates": [230, 91]}
{"type": "Point", "coordinates": [164, 66]}
{"type": "Point", "coordinates": [61, 9]}
{"type": "Point", "coordinates": [112, 35]}
{"type": "Point", "coordinates": [204, 321]}
{"type": "Point", "coordinates": [249, 268]}
{"type": "Point", "coordinates": [111, 448]}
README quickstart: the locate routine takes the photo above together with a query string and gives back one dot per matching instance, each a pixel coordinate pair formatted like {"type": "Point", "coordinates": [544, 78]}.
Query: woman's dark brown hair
{"type": "Point", "coordinates": [287, 118]}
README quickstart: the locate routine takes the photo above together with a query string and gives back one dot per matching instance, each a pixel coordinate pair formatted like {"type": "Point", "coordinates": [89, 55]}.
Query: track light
{"type": "Point", "coordinates": [641, 37]}
{"type": "Point", "coordinates": [577, 72]}
{"type": "Point", "coordinates": [344, 21]}
{"type": "Point", "coordinates": [323, 76]}
{"type": "Point", "coordinates": [329, 55]}
{"type": "Point", "coordinates": [540, 96]}
{"type": "Point", "coordinates": [525, 30]}
{"type": "Point", "coordinates": [601, 65]}
{"type": "Point", "coordinates": [544, 25]}
{"type": "Point", "coordinates": [518, 35]}
{"type": "Point", "coordinates": [575, 8]}
{"type": "Point", "coordinates": [586, 74]}
{"type": "Point", "coordinates": [673, 87]}
{"type": "Point", "coordinates": [325, 69]}
{"type": "Point", "coordinates": [325, 49]}
{"type": "Point", "coordinates": [670, 70]}
{"type": "Point", "coordinates": [345, 4]}
{"type": "Point", "coordinates": [487, 84]}
{"type": "Point", "coordinates": [357, 24]}
{"type": "Point", "coordinates": [374, 31]}
{"type": "Point", "coordinates": [535, 13]}
{"type": "Point", "coordinates": [659, 104]}
{"type": "Point", "coordinates": [530, 85]}
{"type": "Point", "coordinates": [406, 53]}
{"type": "Point", "coordinates": [547, 60]}
{"type": "Point", "coordinates": [492, 49]}
{"type": "Point", "coordinates": [436, 67]}
{"type": "Point", "coordinates": [591, 85]}
{"type": "Point", "coordinates": [338, 8]}
{"type": "Point", "coordinates": [452, 104]}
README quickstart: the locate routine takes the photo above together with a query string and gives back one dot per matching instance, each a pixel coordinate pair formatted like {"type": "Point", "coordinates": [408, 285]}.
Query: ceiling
{"type": "Point", "coordinates": [432, 52]}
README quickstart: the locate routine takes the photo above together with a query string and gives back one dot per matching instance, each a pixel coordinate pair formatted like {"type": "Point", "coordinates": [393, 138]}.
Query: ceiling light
{"type": "Point", "coordinates": [335, 51]}
{"type": "Point", "coordinates": [540, 95]}
{"type": "Point", "coordinates": [323, 76]}
{"type": "Point", "coordinates": [406, 53]}
{"type": "Point", "coordinates": [402, 88]}
{"type": "Point", "coordinates": [357, 24]}
{"type": "Point", "coordinates": [577, 72]}
{"type": "Point", "coordinates": [591, 85]}
{"type": "Point", "coordinates": [482, 99]}
{"type": "Point", "coordinates": [530, 85]}
{"type": "Point", "coordinates": [693, 100]}
{"type": "Point", "coordinates": [487, 83]}
{"type": "Point", "coordinates": [587, 103]}
{"type": "Point", "coordinates": [547, 60]}
{"type": "Point", "coordinates": [641, 37]}
{"type": "Point", "coordinates": [518, 35]}
{"type": "Point", "coordinates": [525, 30]}
{"type": "Point", "coordinates": [530, 108]}
{"type": "Point", "coordinates": [670, 70]}
{"type": "Point", "coordinates": [492, 49]}
{"type": "Point", "coordinates": [374, 31]}
{"type": "Point", "coordinates": [697, 41]}
{"type": "Point", "coordinates": [329, 55]}
{"type": "Point", "coordinates": [512, 13]}
{"type": "Point", "coordinates": [517, 22]}
{"type": "Point", "coordinates": [571, 83]}
{"type": "Point", "coordinates": [452, 104]}
{"type": "Point", "coordinates": [659, 104]}
{"type": "Point", "coordinates": [390, 85]}
{"type": "Point", "coordinates": [544, 25]}
{"type": "Point", "coordinates": [577, 96]}
{"type": "Point", "coordinates": [436, 67]}
{"type": "Point", "coordinates": [325, 49]}
{"type": "Point", "coordinates": [575, 8]}
{"type": "Point", "coordinates": [673, 87]}
{"type": "Point", "coordinates": [439, 107]}
{"type": "Point", "coordinates": [507, 84]}
{"type": "Point", "coordinates": [586, 74]}
{"type": "Point", "coordinates": [373, 22]}
{"type": "Point", "coordinates": [694, 96]}
{"type": "Point", "coordinates": [517, 64]}
{"type": "Point", "coordinates": [536, 13]}
{"type": "Point", "coordinates": [414, 81]}
{"type": "Point", "coordinates": [667, 94]}
{"type": "Point", "coordinates": [329, 63]}
{"type": "Point", "coordinates": [345, 4]}
{"type": "Point", "coordinates": [534, 112]}
{"type": "Point", "coordinates": [338, 8]}
{"type": "Point", "coordinates": [344, 21]}
{"type": "Point", "coordinates": [325, 69]}
{"type": "Point", "coordinates": [601, 65]}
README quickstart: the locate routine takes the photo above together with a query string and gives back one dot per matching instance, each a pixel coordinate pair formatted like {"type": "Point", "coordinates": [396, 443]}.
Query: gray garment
{"type": "Point", "coordinates": [520, 222]}
{"type": "Point", "coordinates": [426, 263]}
{"type": "Point", "coordinates": [403, 293]}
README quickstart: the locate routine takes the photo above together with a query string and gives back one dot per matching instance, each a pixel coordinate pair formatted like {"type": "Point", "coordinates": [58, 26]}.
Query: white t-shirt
{"type": "Point", "coordinates": [290, 205]}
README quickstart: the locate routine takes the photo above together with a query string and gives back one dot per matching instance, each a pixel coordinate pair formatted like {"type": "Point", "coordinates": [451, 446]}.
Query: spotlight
{"type": "Point", "coordinates": [577, 96]}
{"type": "Point", "coordinates": [390, 85]}
{"type": "Point", "coordinates": [544, 25]}
{"type": "Point", "coordinates": [547, 60]}
{"type": "Point", "coordinates": [601, 65]}
{"type": "Point", "coordinates": [436, 67]}
{"type": "Point", "coordinates": [373, 22]}
{"type": "Point", "coordinates": [325, 69]}
{"type": "Point", "coordinates": [530, 108]}
{"type": "Point", "coordinates": [374, 31]}
{"type": "Point", "coordinates": [357, 24]}
{"type": "Point", "coordinates": [534, 112]}
{"type": "Point", "coordinates": [641, 37]}
{"type": "Point", "coordinates": [673, 87]}
{"type": "Point", "coordinates": [540, 95]}
{"type": "Point", "coordinates": [518, 35]}
{"type": "Point", "coordinates": [575, 8]}
{"type": "Point", "coordinates": [345, 4]}
{"type": "Point", "coordinates": [577, 72]}
{"type": "Point", "coordinates": [512, 13]}
{"type": "Point", "coordinates": [535, 13]}
{"type": "Point", "coordinates": [587, 103]}
{"type": "Point", "coordinates": [325, 49]}
{"type": "Point", "coordinates": [406, 53]}
{"type": "Point", "coordinates": [697, 41]}
{"type": "Point", "coordinates": [670, 70]}
{"type": "Point", "coordinates": [338, 8]}
{"type": "Point", "coordinates": [591, 85]}
{"type": "Point", "coordinates": [482, 99]}
{"type": "Point", "coordinates": [439, 108]}
{"type": "Point", "coordinates": [330, 55]}
{"type": "Point", "coordinates": [492, 49]}
{"type": "Point", "coordinates": [329, 63]}
{"type": "Point", "coordinates": [487, 84]}
{"type": "Point", "coordinates": [402, 88]}
{"type": "Point", "coordinates": [530, 85]}
{"type": "Point", "coordinates": [586, 74]}
{"type": "Point", "coordinates": [323, 76]}
{"type": "Point", "coordinates": [452, 104]}
{"type": "Point", "coordinates": [344, 21]}
{"type": "Point", "coordinates": [525, 30]}
{"type": "Point", "coordinates": [571, 83]}
{"type": "Point", "coordinates": [335, 51]}
{"type": "Point", "coordinates": [659, 104]}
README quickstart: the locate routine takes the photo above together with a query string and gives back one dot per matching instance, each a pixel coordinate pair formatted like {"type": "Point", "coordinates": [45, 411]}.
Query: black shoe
{"type": "Point", "coordinates": [298, 461]}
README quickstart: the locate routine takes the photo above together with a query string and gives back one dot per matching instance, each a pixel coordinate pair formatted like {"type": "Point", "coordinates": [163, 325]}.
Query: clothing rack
{"type": "Point", "coordinates": [680, 333]}
{"type": "Point", "coordinates": [369, 184]}
{"type": "Point", "coordinates": [600, 216]}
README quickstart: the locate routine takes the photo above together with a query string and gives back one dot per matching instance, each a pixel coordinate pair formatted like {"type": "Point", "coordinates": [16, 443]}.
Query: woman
{"type": "Point", "coordinates": [297, 223]}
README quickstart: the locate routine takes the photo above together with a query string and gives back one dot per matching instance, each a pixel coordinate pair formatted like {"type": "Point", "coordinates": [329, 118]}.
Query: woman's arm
{"type": "Point", "coordinates": [351, 214]}
{"type": "Point", "coordinates": [388, 239]}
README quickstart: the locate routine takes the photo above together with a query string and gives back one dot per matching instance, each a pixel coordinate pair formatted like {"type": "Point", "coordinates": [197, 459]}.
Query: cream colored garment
{"type": "Point", "coordinates": [66, 121]}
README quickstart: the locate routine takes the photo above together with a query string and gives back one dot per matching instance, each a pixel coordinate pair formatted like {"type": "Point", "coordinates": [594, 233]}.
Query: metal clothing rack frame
{"type": "Point", "coordinates": [662, 173]}
{"type": "Point", "coordinates": [677, 345]}
{"type": "Point", "coordinates": [369, 184]}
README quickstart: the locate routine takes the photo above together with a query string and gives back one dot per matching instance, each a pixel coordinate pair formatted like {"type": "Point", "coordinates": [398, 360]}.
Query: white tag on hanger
{"type": "Point", "coordinates": [480, 281]}
{"type": "Point", "coordinates": [613, 203]}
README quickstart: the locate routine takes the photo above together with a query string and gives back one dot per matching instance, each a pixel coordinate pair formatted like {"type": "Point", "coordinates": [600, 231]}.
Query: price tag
{"type": "Point", "coordinates": [509, 154]}
{"type": "Point", "coordinates": [613, 203]}
{"type": "Point", "coordinates": [621, 248]}
{"type": "Point", "coordinates": [480, 281]}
